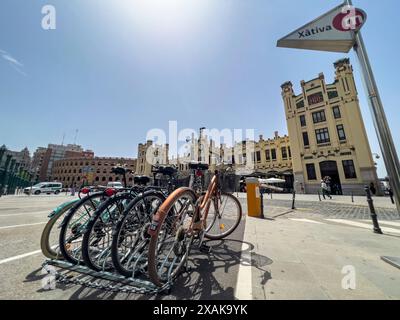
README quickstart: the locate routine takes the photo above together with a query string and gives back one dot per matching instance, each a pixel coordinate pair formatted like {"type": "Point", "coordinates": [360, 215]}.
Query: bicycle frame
{"type": "Point", "coordinates": [198, 223]}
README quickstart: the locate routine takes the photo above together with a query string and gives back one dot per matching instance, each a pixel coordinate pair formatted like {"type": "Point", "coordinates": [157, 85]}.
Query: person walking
{"type": "Point", "coordinates": [72, 190]}
{"type": "Point", "coordinates": [325, 190]}
{"type": "Point", "coordinates": [372, 188]}
{"type": "Point", "coordinates": [390, 191]}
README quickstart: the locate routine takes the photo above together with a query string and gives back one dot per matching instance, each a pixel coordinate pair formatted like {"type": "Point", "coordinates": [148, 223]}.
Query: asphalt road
{"type": "Point", "coordinates": [22, 219]}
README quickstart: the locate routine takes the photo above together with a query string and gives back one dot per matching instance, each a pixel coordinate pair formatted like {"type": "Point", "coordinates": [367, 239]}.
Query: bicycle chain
{"type": "Point", "coordinates": [64, 279]}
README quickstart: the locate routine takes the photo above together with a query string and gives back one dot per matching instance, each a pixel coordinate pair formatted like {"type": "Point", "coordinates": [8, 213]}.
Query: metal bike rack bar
{"type": "Point", "coordinates": [135, 285]}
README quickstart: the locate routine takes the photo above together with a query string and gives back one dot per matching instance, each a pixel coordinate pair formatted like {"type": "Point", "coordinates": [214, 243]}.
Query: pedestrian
{"type": "Point", "coordinates": [325, 190]}
{"type": "Point", "coordinates": [391, 194]}
{"type": "Point", "coordinates": [72, 191]}
{"type": "Point", "coordinates": [372, 188]}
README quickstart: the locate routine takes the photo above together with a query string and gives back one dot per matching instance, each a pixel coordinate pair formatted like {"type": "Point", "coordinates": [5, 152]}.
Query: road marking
{"type": "Point", "coordinates": [389, 223]}
{"type": "Point", "coordinates": [307, 220]}
{"type": "Point", "coordinates": [26, 213]}
{"type": "Point", "coordinates": [362, 225]}
{"type": "Point", "coordinates": [244, 284]}
{"type": "Point", "coordinates": [21, 256]}
{"type": "Point", "coordinates": [22, 225]}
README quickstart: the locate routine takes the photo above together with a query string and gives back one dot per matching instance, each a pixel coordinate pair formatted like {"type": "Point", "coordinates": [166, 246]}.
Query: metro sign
{"type": "Point", "coordinates": [334, 31]}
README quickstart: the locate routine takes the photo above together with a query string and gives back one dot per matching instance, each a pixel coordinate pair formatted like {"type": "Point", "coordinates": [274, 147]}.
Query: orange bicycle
{"type": "Point", "coordinates": [186, 216]}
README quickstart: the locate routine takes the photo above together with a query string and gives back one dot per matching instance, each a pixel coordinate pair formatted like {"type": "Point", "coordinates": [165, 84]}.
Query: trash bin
{"type": "Point", "coordinates": [253, 197]}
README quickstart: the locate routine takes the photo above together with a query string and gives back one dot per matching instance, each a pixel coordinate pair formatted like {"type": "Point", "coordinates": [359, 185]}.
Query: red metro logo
{"type": "Point", "coordinates": [349, 19]}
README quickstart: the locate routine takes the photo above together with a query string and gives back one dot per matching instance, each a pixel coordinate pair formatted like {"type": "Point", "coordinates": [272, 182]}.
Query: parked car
{"type": "Point", "coordinates": [44, 188]}
{"type": "Point", "coordinates": [115, 185]}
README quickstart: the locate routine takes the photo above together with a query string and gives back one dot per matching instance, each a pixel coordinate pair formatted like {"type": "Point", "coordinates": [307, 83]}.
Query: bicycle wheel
{"type": "Point", "coordinates": [130, 240]}
{"type": "Point", "coordinates": [170, 242]}
{"type": "Point", "coordinates": [97, 238]}
{"type": "Point", "coordinates": [74, 225]}
{"type": "Point", "coordinates": [224, 215]}
{"type": "Point", "coordinates": [49, 243]}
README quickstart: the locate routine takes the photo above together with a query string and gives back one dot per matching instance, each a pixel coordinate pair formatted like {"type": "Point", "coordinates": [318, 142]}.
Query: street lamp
{"type": "Point", "coordinates": [200, 143]}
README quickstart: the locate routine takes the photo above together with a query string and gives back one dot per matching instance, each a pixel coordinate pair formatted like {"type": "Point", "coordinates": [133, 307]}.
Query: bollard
{"type": "Point", "coordinates": [352, 197]}
{"type": "Point", "coordinates": [262, 205]}
{"type": "Point", "coordinates": [294, 200]}
{"type": "Point", "coordinates": [253, 197]}
{"type": "Point", "coordinates": [374, 216]}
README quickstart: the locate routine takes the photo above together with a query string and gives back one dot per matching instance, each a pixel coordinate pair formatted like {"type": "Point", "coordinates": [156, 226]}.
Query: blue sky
{"type": "Point", "coordinates": [115, 69]}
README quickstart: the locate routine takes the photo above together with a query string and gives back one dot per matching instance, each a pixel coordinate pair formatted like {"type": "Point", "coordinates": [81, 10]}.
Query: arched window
{"type": "Point", "coordinates": [110, 179]}
{"type": "Point", "coordinates": [97, 179]}
{"type": "Point", "coordinates": [103, 179]}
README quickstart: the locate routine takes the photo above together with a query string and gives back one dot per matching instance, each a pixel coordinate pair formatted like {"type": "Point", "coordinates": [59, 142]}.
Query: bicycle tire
{"type": "Point", "coordinates": [64, 227]}
{"type": "Point", "coordinates": [158, 222]}
{"type": "Point", "coordinates": [86, 251]}
{"type": "Point", "coordinates": [115, 246]}
{"type": "Point", "coordinates": [45, 246]}
{"type": "Point", "coordinates": [237, 221]}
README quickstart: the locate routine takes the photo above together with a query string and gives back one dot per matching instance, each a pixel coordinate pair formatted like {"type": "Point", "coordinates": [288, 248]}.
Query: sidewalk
{"type": "Point", "coordinates": [379, 202]}
{"type": "Point", "coordinates": [304, 259]}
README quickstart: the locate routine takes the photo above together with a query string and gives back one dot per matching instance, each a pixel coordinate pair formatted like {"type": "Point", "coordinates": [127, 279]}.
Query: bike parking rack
{"type": "Point", "coordinates": [117, 283]}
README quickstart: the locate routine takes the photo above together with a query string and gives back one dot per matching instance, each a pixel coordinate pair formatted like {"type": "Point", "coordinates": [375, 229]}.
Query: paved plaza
{"type": "Point", "coordinates": [291, 254]}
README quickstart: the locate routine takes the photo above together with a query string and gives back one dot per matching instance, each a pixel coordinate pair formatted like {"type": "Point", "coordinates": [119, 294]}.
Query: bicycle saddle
{"type": "Point", "coordinates": [141, 180]}
{"type": "Point", "coordinates": [120, 170]}
{"type": "Point", "coordinates": [165, 170]}
{"type": "Point", "coordinates": [198, 166]}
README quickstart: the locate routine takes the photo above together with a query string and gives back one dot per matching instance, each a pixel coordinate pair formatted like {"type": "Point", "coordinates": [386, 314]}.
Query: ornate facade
{"type": "Point", "coordinates": [327, 134]}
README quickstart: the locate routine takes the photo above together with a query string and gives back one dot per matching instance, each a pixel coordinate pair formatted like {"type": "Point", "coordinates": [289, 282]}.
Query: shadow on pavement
{"type": "Point", "coordinates": [212, 276]}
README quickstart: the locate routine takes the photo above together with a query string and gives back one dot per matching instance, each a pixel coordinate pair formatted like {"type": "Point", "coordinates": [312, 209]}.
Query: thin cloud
{"type": "Point", "coordinates": [17, 66]}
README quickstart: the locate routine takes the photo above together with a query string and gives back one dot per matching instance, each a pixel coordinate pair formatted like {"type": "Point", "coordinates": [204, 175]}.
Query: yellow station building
{"type": "Point", "coordinates": [327, 134]}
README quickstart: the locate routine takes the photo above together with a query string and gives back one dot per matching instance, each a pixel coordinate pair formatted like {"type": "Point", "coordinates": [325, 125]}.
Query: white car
{"type": "Point", "coordinates": [115, 185]}
{"type": "Point", "coordinates": [44, 188]}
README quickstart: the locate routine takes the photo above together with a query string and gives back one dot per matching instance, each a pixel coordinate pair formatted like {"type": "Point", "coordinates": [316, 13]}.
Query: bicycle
{"type": "Point", "coordinates": [186, 216]}
{"type": "Point", "coordinates": [49, 250]}
{"type": "Point", "coordinates": [76, 220]}
{"type": "Point", "coordinates": [97, 236]}
{"type": "Point", "coordinates": [130, 240]}
{"type": "Point", "coordinates": [49, 242]}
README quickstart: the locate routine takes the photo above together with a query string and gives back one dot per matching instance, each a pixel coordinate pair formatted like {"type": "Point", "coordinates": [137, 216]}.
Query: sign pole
{"type": "Point", "coordinates": [379, 117]}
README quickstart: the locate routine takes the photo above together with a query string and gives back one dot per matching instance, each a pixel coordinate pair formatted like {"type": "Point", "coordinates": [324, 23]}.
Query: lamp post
{"type": "Point", "coordinates": [201, 143]}
{"type": "Point", "coordinates": [382, 129]}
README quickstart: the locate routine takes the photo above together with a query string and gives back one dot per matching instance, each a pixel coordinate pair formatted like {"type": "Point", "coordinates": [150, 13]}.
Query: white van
{"type": "Point", "coordinates": [115, 185]}
{"type": "Point", "coordinates": [44, 188]}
